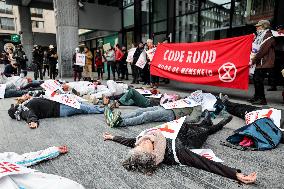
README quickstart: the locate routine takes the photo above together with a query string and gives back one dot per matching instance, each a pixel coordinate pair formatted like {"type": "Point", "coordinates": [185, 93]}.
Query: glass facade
{"type": "Point", "coordinates": [5, 9]}
{"type": "Point", "coordinates": [194, 20]}
{"type": "Point", "coordinates": [128, 16]}
{"type": "Point", "coordinates": [7, 24]}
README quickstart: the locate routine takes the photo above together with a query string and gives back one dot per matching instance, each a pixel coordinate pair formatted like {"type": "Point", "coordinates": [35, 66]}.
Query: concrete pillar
{"type": "Point", "coordinates": [67, 38]}
{"type": "Point", "coordinates": [26, 28]}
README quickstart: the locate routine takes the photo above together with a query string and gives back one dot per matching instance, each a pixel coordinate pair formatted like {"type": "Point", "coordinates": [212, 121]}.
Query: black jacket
{"type": "Point", "coordinates": [9, 71]}
{"type": "Point", "coordinates": [39, 108]}
{"type": "Point", "coordinates": [136, 55]}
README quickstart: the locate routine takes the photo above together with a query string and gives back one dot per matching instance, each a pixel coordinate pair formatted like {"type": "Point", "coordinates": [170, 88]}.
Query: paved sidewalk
{"type": "Point", "coordinates": [97, 164]}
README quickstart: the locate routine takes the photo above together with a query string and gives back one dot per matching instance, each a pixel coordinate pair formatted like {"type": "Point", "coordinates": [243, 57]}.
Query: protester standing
{"type": "Point", "coordinates": [77, 70]}
{"type": "Point", "coordinates": [110, 57]}
{"type": "Point", "coordinates": [37, 62]}
{"type": "Point", "coordinates": [4, 58]}
{"type": "Point", "coordinates": [52, 59]}
{"type": "Point", "coordinates": [99, 64]}
{"type": "Point", "coordinates": [45, 63]}
{"type": "Point", "coordinates": [136, 69]}
{"type": "Point", "coordinates": [88, 65]}
{"type": "Point", "coordinates": [263, 60]}
{"type": "Point", "coordinates": [154, 79]}
{"type": "Point", "coordinates": [124, 67]}
{"type": "Point", "coordinates": [118, 57]}
{"type": "Point", "coordinates": [21, 60]}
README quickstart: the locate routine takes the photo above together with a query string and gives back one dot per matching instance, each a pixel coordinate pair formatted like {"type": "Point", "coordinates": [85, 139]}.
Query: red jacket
{"type": "Point", "coordinates": [98, 61]}
{"type": "Point", "coordinates": [118, 55]}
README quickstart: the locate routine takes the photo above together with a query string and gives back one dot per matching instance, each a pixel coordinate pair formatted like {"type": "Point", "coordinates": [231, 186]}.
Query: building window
{"type": "Point", "coordinates": [128, 16]}
{"type": "Point", "coordinates": [159, 10]}
{"type": "Point", "coordinates": [37, 12]}
{"type": "Point", "coordinates": [37, 24]}
{"type": "Point", "coordinates": [145, 7]}
{"type": "Point", "coordinates": [127, 3]}
{"type": "Point", "coordinates": [5, 9]}
{"type": "Point", "coordinates": [7, 24]}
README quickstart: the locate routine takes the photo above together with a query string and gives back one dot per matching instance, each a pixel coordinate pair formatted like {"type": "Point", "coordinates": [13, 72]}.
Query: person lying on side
{"type": "Point", "coordinates": [35, 179]}
{"type": "Point", "coordinates": [152, 149]}
{"type": "Point", "coordinates": [34, 109]}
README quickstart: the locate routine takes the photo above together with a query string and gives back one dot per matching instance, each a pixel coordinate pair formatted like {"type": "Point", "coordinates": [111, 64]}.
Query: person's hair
{"type": "Point", "coordinates": [87, 48]}
{"type": "Point", "coordinates": [143, 162]}
{"type": "Point", "coordinates": [117, 46]}
{"type": "Point", "coordinates": [11, 111]}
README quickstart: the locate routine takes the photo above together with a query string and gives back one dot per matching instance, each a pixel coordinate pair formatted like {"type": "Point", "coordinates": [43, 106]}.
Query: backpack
{"type": "Point", "coordinates": [264, 133]}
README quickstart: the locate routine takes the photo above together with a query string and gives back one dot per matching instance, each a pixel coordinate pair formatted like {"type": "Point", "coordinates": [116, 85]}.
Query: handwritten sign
{"type": "Point", "coordinates": [142, 60]}
{"type": "Point", "coordinates": [183, 103]}
{"type": "Point", "coordinates": [144, 91]}
{"type": "Point", "coordinates": [207, 153]}
{"type": "Point", "coordinates": [106, 47]}
{"type": "Point", "coordinates": [155, 96]}
{"type": "Point", "coordinates": [169, 130]}
{"type": "Point", "coordinates": [67, 99]}
{"type": "Point", "coordinates": [2, 90]}
{"type": "Point", "coordinates": [150, 53]}
{"type": "Point", "coordinates": [130, 55]}
{"type": "Point", "coordinates": [273, 114]}
{"type": "Point", "coordinates": [8, 168]}
{"type": "Point", "coordinates": [277, 34]}
{"type": "Point", "coordinates": [80, 59]}
{"type": "Point", "coordinates": [51, 86]}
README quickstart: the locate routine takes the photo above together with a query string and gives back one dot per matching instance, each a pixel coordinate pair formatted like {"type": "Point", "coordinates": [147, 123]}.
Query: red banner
{"type": "Point", "coordinates": [221, 63]}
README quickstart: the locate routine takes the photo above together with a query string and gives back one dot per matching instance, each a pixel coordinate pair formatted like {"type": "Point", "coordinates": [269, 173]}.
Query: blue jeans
{"type": "Point", "coordinates": [66, 111]}
{"type": "Point", "coordinates": [147, 115]}
{"type": "Point", "coordinates": [14, 93]}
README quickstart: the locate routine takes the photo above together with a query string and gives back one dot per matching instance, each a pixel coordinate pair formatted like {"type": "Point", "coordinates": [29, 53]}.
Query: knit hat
{"type": "Point", "coordinates": [263, 23]}
{"type": "Point", "coordinates": [12, 111]}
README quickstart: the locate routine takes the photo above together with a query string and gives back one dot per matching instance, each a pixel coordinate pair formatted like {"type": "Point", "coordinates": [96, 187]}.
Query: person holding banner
{"type": "Point", "coordinates": [15, 173]}
{"type": "Point", "coordinates": [77, 69]}
{"type": "Point", "coordinates": [34, 109]}
{"type": "Point", "coordinates": [152, 147]}
{"type": "Point", "coordinates": [263, 60]}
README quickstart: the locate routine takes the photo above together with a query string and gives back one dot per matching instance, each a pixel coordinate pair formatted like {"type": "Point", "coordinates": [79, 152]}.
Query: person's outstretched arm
{"type": "Point", "coordinates": [33, 158]}
{"type": "Point", "coordinates": [187, 157]}
{"type": "Point", "coordinates": [129, 142]}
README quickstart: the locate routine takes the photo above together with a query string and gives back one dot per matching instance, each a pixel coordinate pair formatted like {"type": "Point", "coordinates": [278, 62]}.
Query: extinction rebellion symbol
{"type": "Point", "coordinates": [227, 72]}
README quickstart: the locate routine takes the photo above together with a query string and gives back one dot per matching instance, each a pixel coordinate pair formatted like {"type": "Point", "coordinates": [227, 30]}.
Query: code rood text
{"type": "Point", "coordinates": [207, 56]}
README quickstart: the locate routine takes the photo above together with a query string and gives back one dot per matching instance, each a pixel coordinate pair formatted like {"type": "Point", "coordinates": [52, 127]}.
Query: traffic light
{"type": "Point", "coordinates": [15, 38]}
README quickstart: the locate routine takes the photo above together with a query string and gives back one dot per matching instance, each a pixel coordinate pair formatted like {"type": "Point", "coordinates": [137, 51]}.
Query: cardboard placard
{"type": "Point", "coordinates": [144, 91]}
{"type": "Point", "coordinates": [150, 53]}
{"type": "Point", "coordinates": [155, 96]}
{"type": "Point", "coordinates": [2, 90]}
{"type": "Point", "coordinates": [67, 99]}
{"type": "Point", "coordinates": [80, 59]}
{"type": "Point", "coordinates": [51, 86]}
{"type": "Point", "coordinates": [183, 103]}
{"type": "Point", "coordinates": [142, 60]}
{"type": "Point", "coordinates": [8, 168]}
{"type": "Point", "coordinates": [130, 54]}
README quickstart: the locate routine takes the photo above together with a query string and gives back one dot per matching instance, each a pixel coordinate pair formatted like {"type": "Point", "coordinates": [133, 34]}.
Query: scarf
{"type": "Point", "coordinates": [260, 36]}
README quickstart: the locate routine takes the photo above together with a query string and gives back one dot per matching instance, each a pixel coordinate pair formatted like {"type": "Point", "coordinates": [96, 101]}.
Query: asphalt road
{"type": "Point", "coordinates": [97, 164]}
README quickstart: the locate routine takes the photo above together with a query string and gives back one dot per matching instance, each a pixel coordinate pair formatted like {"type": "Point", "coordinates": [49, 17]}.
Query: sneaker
{"type": "Point", "coordinates": [108, 115]}
{"type": "Point", "coordinates": [115, 122]}
{"type": "Point", "coordinates": [259, 102]}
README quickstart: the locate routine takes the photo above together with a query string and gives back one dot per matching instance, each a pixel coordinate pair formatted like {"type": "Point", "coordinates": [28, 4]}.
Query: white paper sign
{"type": "Point", "coordinates": [67, 99]}
{"type": "Point", "coordinates": [183, 103]}
{"type": "Point", "coordinates": [207, 153]}
{"type": "Point", "coordinates": [106, 47]}
{"type": "Point", "coordinates": [144, 91]}
{"type": "Point", "coordinates": [2, 90]}
{"type": "Point", "coordinates": [273, 114]}
{"type": "Point", "coordinates": [130, 55]}
{"type": "Point", "coordinates": [51, 86]}
{"type": "Point", "coordinates": [151, 53]}
{"type": "Point", "coordinates": [155, 96]}
{"type": "Point", "coordinates": [169, 130]}
{"type": "Point", "coordinates": [8, 168]}
{"type": "Point", "coordinates": [80, 59]}
{"type": "Point", "coordinates": [277, 34]}
{"type": "Point", "coordinates": [142, 60]}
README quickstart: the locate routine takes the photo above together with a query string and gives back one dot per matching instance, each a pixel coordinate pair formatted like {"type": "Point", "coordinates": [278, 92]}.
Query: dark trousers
{"type": "Point", "coordinates": [38, 71]}
{"type": "Point", "coordinates": [111, 65]}
{"type": "Point", "coordinates": [45, 68]}
{"type": "Point", "coordinates": [77, 75]}
{"type": "Point", "coordinates": [14, 93]}
{"type": "Point", "coordinates": [124, 71]}
{"type": "Point", "coordinates": [100, 72]}
{"type": "Point", "coordinates": [258, 81]}
{"type": "Point", "coordinates": [52, 71]}
{"type": "Point", "coordinates": [146, 74]}
{"type": "Point", "coordinates": [135, 73]}
{"type": "Point", "coordinates": [239, 110]}
{"type": "Point", "coordinates": [118, 68]}
{"type": "Point", "coordinates": [154, 79]}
